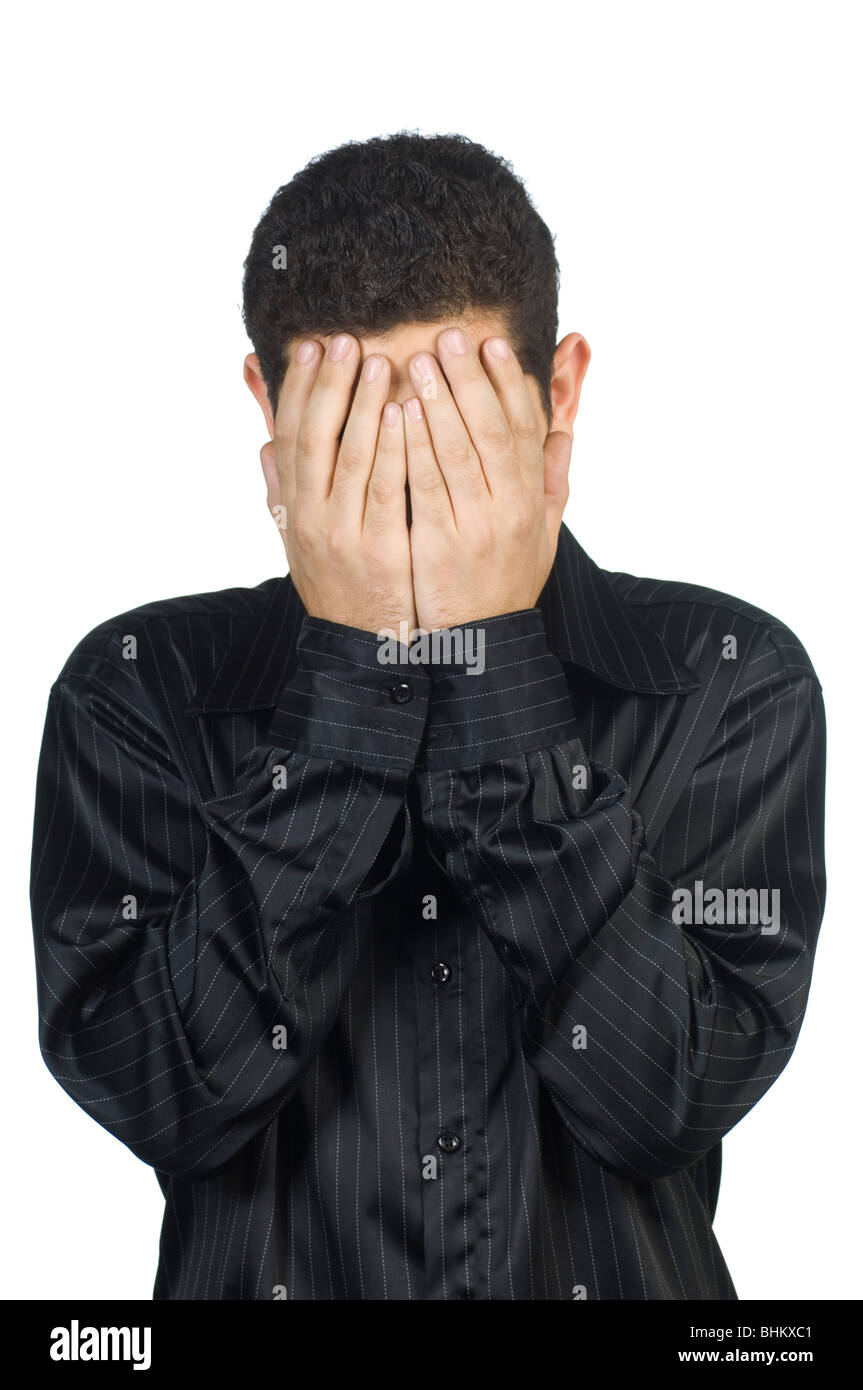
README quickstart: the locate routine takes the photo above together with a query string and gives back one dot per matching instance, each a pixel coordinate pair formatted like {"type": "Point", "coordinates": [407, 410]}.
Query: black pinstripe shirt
{"type": "Point", "coordinates": [415, 983]}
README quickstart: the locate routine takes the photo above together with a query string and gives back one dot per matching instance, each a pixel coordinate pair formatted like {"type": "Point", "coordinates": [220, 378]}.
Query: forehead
{"type": "Point", "coordinates": [406, 339]}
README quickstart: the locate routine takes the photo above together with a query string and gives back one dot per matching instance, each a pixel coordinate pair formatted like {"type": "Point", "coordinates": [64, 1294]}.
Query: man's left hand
{"type": "Point", "coordinates": [487, 491]}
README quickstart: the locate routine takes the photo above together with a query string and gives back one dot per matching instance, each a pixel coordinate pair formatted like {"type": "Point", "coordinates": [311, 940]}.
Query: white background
{"type": "Point", "coordinates": [699, 164]}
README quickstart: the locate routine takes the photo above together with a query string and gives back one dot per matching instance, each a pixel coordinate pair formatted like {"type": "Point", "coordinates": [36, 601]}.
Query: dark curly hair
{"type": "Point", "coordinates": [402, 228]}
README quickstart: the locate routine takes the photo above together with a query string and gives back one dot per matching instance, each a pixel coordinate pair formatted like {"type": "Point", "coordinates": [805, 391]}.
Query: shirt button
{"type": "Point", "coordinates": [448, 1142]}
{"type": "Point", "coordinates": [401, 693]}
{"type": "Point", "coordinates": [440, 972]}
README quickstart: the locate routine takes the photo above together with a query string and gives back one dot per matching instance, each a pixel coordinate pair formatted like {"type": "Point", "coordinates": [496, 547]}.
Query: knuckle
{"type": "Point", "coordinates": [336, 541]}
{"type": "Point", "coordinates": [524, 427]}
{"type": "Point", "coordinates": [351, 456]}
{"type": "Point", "coordinates": [459, 453]}
{"type": "Point", "coordinates": [381, 491]}
{"type": "Point", "coordinates": [494, 433]}
{"type": "Point", "coordinates": [426, 482]}
{"type": "Point", "coordinates": [308, 441]}
{"type": "Point", "coordinates": [473, 484]}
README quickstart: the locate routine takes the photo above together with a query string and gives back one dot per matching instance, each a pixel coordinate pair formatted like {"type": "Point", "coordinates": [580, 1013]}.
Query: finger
{"type": "Point", "coordinates": [356, 451]}
{"type": "Point", "coordinates": [481, 410]}
{"type": "Point", "coordinates": [429, 495]}
{"type": "Point", "coordinates": [293, 396]}
{"type": "Point", "coordinates": [325, 414]}
{"type": "Point", "coordinates": [456, 456]}
{"type": "Point", "coordinates": [385, 506]}
{"type": "Point", "coordinates": [510, 386]}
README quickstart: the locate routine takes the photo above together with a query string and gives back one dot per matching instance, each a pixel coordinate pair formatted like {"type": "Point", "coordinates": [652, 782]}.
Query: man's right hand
{"type": "Point", "coordinates": [343, 516]}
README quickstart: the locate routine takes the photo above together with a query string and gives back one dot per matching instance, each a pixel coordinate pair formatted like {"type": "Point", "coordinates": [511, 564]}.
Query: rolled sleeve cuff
{"type": "Point", "coordinates": [344, 702]}
{"type": "Point", "coordinates": [496, 689]}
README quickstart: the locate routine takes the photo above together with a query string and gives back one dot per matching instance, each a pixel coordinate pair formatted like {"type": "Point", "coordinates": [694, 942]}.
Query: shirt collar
{"type": "Point", "coordinates": [587, 623]}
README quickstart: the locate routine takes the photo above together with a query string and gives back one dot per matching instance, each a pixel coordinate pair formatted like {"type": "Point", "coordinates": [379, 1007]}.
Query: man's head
{"type": "Point", "coordinates": [385, 237]}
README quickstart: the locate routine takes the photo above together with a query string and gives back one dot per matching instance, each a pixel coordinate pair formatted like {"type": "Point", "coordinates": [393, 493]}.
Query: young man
{"type": "Point", "coordinates": [435, 967]}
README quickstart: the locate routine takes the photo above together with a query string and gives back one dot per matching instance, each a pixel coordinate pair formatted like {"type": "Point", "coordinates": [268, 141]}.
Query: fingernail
{"type": "Point", "coordinates": [306, 351]}
{"type": "Point", "coordinates": [423, 371]}
{"type": "Point", "coordinates": [455, 340]}
{"type": "Point", "coordinates": [499, 347]}
{"type": "Point", "coordinates": [372, 368]}
{"type": "Point", "coordinates": [392, 413]}
{"type": "Point", "coordinates": [339, 347]}
{"type": "Point", "coordinates": [414, 408]}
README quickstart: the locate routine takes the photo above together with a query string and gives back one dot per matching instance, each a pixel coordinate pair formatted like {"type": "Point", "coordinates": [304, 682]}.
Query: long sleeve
{"type": "Point", "coordinates": [188, 967]}
{"type": "Point", "coordinates": [654, 1019]}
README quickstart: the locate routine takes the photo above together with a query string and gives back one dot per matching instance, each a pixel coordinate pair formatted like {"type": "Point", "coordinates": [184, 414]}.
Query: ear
{"type": "Point", "coordinates": [571, 360]}
{"type": "Point", "coordinates": [256, 384]}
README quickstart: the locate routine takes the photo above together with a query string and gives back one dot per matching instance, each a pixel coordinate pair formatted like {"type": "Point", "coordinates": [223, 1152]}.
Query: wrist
{"type": "Point", "coordinates": [344, 701]}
